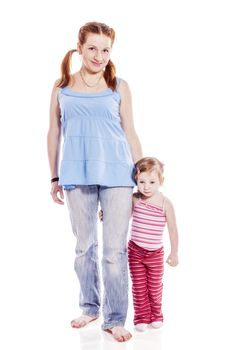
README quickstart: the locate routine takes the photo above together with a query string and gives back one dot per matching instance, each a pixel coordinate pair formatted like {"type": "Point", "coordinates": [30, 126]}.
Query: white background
{"type": "Point", "coordinates": [185, 64]}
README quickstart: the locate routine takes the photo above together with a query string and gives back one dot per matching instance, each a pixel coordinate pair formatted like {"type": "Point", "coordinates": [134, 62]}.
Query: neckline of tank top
{"type": "Point", "coordinates": [151, 204]}
{"type": "Point", "coordinates": [68, 91]}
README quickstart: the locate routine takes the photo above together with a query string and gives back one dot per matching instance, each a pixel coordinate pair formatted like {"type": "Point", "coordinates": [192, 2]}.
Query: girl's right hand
{"type": "Point", "coordinates": [172, 260]}
{"type": "Point", "coordinates": [55, 190]}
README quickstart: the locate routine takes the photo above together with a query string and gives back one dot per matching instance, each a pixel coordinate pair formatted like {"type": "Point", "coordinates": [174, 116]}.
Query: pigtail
{"type": "Point", "coordinates": [66, 69]}
{"type": "Point", "coordinates": [110, 75]}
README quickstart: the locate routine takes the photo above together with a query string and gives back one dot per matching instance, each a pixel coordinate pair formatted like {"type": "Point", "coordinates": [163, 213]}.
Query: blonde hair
{"type": "Point", "coordinates": [149, 164]}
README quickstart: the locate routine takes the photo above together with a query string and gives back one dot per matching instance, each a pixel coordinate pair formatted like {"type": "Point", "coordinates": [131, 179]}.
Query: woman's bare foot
{"type": "Point", "coordinates": [82, 321]}
{"type": "Point", "coordinates": [119, 333]}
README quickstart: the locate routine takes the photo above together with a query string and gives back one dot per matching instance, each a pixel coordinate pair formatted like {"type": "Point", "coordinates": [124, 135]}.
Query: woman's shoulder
{"type": "Point", "coordinates": [55, 91]}
{"type": "Point", "coordinates": [124, 90]}
{"type": "Point", "coordinates": [57, 84]}
{"type": "Point", "coordinates": [123, 85]}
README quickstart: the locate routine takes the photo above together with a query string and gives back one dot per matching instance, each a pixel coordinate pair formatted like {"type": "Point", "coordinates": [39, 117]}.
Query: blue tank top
{"type": "Point", "coordinates": [95, 148]}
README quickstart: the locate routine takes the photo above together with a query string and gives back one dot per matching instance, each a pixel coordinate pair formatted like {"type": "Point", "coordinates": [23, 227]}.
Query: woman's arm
{"type": "Point", "coordinates": [173, 232]}
{"type": "Point", "coordinates": [127, 121]}
{"type": "Point", "coordinates": [53, 144]}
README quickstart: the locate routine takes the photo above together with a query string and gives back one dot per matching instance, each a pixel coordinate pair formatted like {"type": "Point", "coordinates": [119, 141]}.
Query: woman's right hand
{"type": "Point", "coordinates": [55, 190]}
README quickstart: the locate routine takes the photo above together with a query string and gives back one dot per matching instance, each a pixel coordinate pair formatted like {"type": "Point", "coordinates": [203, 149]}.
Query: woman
{"type": "Point", "coordinates": [92, 108]}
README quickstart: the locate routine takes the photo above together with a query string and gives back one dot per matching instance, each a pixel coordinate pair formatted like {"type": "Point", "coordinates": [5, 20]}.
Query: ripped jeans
{"type": "Point", "coordinates": [116, 203]}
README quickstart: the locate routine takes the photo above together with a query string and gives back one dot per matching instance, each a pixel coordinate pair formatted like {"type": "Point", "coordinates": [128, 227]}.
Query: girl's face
{"type": "Point", "coordinates": [148, 183]}
{"type": "Point", "coordinates": [95, 52]}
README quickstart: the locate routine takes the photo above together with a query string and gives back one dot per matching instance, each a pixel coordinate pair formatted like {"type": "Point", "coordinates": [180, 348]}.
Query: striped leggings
{"type": "Point", "coordinates": [146, 270]}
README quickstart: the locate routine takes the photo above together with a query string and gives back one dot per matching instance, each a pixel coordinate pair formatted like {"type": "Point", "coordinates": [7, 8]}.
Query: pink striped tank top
{"type": "Point", "coordinates": [148, 222]}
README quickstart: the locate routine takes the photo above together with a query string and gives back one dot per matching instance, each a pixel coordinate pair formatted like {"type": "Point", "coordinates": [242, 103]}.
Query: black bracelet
{"type": "Point", "coordinates": [54, 179]}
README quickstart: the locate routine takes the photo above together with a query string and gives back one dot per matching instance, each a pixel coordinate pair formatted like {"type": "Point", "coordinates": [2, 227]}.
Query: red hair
{"type": "Point", "coordinates": [88, 28]}
{"type": "Point", "coordinates": [149, 164]}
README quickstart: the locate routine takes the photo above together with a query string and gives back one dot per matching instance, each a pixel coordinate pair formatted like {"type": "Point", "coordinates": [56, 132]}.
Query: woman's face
{"type": "Point", "coordinates": [95, 52]}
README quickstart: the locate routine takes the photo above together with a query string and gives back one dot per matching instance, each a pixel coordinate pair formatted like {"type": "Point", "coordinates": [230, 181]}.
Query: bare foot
{"type": "Point", "coordinates": [82, 321]}
{"type": "Point", "coordinates": [119, 333]}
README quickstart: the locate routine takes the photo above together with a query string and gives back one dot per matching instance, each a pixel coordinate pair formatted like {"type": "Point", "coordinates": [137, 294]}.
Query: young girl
{"type": "Point", "coordinates": [151, 211]}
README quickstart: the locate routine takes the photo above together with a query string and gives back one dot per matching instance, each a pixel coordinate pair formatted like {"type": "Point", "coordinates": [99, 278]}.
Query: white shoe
{"type": "Point", "coordinates": [157, 324]}
{"type": "Point", "coordinates": [141, 327]}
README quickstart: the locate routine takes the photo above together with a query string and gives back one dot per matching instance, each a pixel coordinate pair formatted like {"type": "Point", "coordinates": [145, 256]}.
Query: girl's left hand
{"type": "Point", "coordinates": [172, 260]}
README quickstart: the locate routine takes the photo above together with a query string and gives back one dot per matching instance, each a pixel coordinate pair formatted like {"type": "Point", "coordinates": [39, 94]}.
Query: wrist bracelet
{"type": "Point", "coordinates": [54, 179]}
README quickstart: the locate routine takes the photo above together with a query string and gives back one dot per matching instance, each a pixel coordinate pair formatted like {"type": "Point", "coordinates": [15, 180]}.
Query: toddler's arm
{"type": "Point", "coordinates": [172, 259]}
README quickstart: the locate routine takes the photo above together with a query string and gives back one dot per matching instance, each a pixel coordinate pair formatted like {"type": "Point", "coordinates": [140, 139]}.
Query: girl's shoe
{"type": "Point", "coordinates": [141, 327]}
{"type": "Point", "coordinates": [157, 324]}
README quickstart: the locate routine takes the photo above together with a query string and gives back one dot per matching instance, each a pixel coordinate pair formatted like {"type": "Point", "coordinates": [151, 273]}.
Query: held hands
{"type": "Point", "coordinates": [172, 260]}
{"type": "Point", "coordinates": [100, 215]}
{"type": "Point", "coordinates": [55, 190]}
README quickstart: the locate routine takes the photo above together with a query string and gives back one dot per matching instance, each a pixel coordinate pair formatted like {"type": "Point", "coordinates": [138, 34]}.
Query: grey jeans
{"type": "Point", "coordinates": [116, 203]}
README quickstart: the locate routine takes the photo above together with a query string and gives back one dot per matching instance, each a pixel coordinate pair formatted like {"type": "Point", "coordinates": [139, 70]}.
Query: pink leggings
{"type": "Point", "coordinates": [146, 269]}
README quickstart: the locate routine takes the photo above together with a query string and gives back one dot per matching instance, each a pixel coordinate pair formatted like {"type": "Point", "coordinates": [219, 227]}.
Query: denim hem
{"type": "Point", "coordinates": [90, 314]}
{"type": "Point", "coordinates": [113, 324]}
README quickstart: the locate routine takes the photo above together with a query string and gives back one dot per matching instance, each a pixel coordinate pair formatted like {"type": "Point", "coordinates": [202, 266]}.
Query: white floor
{"type": "Point", "coordinates": [203, 298]}
{"type": "Point", "coordinates": [92, 337]}
{"type": "Point", "coordinates": [36, 309]}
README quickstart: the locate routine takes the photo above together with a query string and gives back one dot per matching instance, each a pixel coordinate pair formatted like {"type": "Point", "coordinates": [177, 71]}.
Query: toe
{"type": "Point", "coordinates": [82, 321]}
{"type": "Point", "coordinates": [127, 337]}
{"type": "Point", "coordinates": [76, 324]}
{"type": "Point", "coordinates": [120, 334]}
